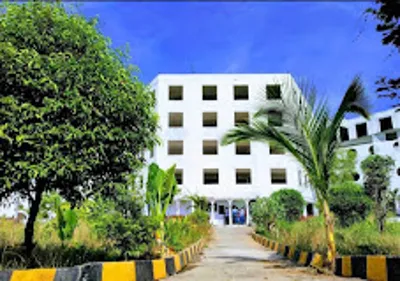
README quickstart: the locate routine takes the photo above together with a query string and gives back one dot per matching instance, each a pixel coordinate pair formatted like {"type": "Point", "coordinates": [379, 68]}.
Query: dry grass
{"type": "Point", "coordinates": [49, 252]}
{"type": "Point", "coordinates": [359, 239]}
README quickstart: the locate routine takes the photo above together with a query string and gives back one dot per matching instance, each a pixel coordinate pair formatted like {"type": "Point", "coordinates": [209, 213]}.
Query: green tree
{"type": "Point", "coordinates": [349, 203]}
{"type": "Point", "coordinates": [309, 135]}
{"type": "Point", "coordinates": [292, 203]}
{"type": "Point", "coordinates": [266, 212]}
{"type": "Point", "coordinates": [160, 192]}
{"type": "Point", "coordinates": [387, 12]}
{"type": "Point", "coordinates": [73, 117]}
{"type": "Point", "coordinates": [377, 170]}
{"type": "Point", "coordinates": [344, 167]}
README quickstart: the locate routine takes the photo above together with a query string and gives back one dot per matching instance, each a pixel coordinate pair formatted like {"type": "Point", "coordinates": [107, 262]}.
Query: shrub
{"type": "Point", "coordinates": [363, 238]}
{"type": "Point", "coordinates": [349, 203]}
{"type": "Point", "coordinates": [180, 233]}
{"type": "Point", "coordinates": [308, 235]}
{"type": "Point", "coordinates": [129, 232]}
{"type": "Point", "coordinates": [292, 203]}
{"type": "Point", "coordinates": [265, 212]}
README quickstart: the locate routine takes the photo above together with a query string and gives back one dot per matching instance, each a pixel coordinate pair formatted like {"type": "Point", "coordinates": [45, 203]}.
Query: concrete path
{"type": "Point", "coordinates": [234, 256]}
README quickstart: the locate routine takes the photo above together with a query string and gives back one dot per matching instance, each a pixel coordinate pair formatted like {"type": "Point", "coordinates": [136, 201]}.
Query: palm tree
{"type": "Point", "coordinates": [304, 128]}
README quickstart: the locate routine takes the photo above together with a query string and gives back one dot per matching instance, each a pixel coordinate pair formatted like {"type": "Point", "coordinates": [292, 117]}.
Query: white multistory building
{"type": "Point", "coordinates": [378, 135]}
{"type": "Point", "coordinates": [195, 111]}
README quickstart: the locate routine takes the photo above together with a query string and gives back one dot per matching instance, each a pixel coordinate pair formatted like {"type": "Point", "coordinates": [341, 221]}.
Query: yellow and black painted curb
{"type": "Point", "coordinates": [141, 270]}
{"type": "Point", "coordinates": [292, 253]}
{"type": "Point", "coordinates": [374, 268]}
{"type": "Point", "coordinates": [371, 267]}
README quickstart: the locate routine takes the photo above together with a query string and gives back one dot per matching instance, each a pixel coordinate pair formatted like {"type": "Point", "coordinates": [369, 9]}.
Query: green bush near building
{"type": "Point", "coordinates": [349, 203]}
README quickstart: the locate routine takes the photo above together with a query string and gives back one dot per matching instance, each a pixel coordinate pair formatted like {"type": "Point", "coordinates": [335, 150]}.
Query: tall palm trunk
{"type": "Point", "coordinates": [329, 230]}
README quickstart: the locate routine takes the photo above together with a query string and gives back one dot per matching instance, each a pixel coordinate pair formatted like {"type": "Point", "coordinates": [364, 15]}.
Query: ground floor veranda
{"type": "Point", "coordinates": [227, 212]}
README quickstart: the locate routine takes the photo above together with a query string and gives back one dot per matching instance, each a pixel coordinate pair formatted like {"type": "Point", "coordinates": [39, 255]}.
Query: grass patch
{"type": "Point", "coordinates": [184, 231]}
{"type": "Point", "coordinates": [362, 238]}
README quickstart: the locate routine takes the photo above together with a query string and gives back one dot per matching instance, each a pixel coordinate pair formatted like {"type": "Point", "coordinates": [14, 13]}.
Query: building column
{"type": "Point", "coordinates": [305, 211]}
{"type": "Point", "coordinates": [247, 212]}
{"type": "Point", "coordinates": [192, 206]}
{"type": "Point", "coordinates": [230, 212]}
{"type": "Point", "coordinates": [178, 207]}
{"type": "Point", "coordinates": [212, 212]}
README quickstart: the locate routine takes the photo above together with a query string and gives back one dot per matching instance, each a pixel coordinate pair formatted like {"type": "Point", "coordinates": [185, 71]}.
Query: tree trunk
{"type": "Point", "coordinates": [380, 209]}
{"type": "Point", "coordinates": [33, 212]}
{"type": "Point", "coordinates": [329, 229]}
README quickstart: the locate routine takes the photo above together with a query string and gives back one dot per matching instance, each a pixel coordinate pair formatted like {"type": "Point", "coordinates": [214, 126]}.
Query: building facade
{"type": "Point", "coordinates": [378, 135]}
{"type": "Point", "coordinates": [195, 111]}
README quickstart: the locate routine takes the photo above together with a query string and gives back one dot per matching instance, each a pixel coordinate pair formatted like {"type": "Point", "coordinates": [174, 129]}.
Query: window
{"type": "Point", "coordinates": [210, 176]}
{"type": "Point", "coordinates": [175, 92]}
{"type": "Point", "coordinates": [275, 148]}
{"type": "Point", "coordinates": [210, 119]}
{"type": "Point", "coordinates": [175, 119]}
{"type": "Point", "coordinates": [221, 210]}
{"type": "Point", "coordinates": [152, 153]}
{"type": "Point", "coordinates": [398, 171]}
{"type": "Point", "coordinates": [356, 176]}
{"type": "Point", "coordinates": [179, 176]}
{"type": "Point", "coordinates": [241, 92]}
{"type": "Point", "coordinates": [243, 176]}
{"type": "Point", "coordinates": [278, 176]}
{"type": "Point", "coordinates": [391, 136]}
{"type": "Point", "coordinates": [344, 134]}
{"type": "Point", "coordinates": [210, 147]}
{"type": "Point", "coordinates": [209, 92]}
{"type": "Point", "coordinates": [175, 147]}
{"type": "Point", "coordinates": [243, 148]}
{"type": "Point", "coordinates": [241, 118]}
{"type": "Point", "coordinates": [275, 118]}
{"type": "Point", "coordinates": [386, 123]}
{"type": "Point", "coordinates": [274, 92]}
{"type": "Point", "coordinates": [361, 130]}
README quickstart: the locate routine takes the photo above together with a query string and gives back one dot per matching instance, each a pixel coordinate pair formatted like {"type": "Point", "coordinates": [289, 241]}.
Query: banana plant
{"type": "Point", "coordinates": [67, 220]}
{"type": "Point", "coordinates": [161, 189]}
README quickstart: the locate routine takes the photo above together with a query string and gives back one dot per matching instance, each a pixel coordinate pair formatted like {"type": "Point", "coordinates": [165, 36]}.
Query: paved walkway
{"type": "Point", "coordinates": [234, 256]}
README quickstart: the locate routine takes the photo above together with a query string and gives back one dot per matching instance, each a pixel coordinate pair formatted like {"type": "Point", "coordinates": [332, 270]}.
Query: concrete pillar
{"type": "Point", "coordinates": [247, 212]}
{"type": "Point", "coordinates": [230, 212]}
{"type": "Point", "coordinates": [212, 213]}
{"type": "Point", "coordinates": [305, 210]}
{"type": "Point", "coordinates": [178, 207]}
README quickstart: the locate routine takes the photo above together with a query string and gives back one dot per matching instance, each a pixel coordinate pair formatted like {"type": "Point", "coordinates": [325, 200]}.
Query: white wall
{"type": "Point", "coordinates": [376, 138]}
{"type": "Point", "coordinates": [193, 133]}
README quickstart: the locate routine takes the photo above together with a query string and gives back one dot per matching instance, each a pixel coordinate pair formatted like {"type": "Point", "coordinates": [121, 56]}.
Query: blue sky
{"type": "Point", "coordinates": [326, 43]}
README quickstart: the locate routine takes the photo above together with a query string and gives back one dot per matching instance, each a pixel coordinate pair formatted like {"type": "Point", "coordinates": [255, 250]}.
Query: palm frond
{"type": "Point", "coordinates": [307, 132]}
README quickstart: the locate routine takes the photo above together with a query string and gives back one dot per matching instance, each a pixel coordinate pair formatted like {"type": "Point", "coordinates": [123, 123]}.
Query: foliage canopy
{"type": "Point", "coordinates": [73, 117]}
{"type": "Point", "coordinates": [349, 203]}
